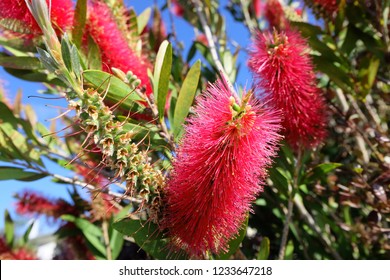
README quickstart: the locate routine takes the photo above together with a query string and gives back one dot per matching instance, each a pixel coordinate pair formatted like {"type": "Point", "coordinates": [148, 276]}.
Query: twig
{"type": "Point", "coordinates": [292, 190]}
{"type": "Point", "coordinates": [106, 239]}
{"type": "Point", "coordinates": [312, 224]}
{"type": "Point", "coordinates": [93, 188]}
{"type": "Point", "coordinates": [248, 21]}
{"type": "Point", "coordinates": [210, 41]}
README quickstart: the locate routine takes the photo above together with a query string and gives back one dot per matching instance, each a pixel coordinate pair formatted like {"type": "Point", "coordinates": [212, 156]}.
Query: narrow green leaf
{"type": "Point", "coordinates": [80, 18]}
{"type": "Point", "coordinates": [14, 173]}
{"type": "Point", "coordinates": [20, 62]}
{"type": "Point", "coordinates": [84, 225]}
{"type": "Point", "coordinates": [9, 228]}
{"type": "Point", "coordinates": [289, 251]}
{"type": "Point", "coordinates": [325, 168]}
{"type": "Point", "coordinates": [143, 19]}
{"type": "Point", "coordinates": [94, 56]}
{"type": "Point", "coordinates": [48, 62]}
{"type": "Point", "coordinates": [235, 243]}
{"type": "Point", "coordinates": [307, 30]}
{"type": "Point", "coordinates": [162, 72]}
{"type": "Point", "coordinates": [27, 234]}
{"type": "Point", "coordinates": [75, 59]}
{"type": "Point", "coordinates": [140, 230]}
{"type": "Point", "coordinates": [65, 50]}
{"type": "Point", "coordinates": [116, 243]}
{"type": "Point", "coordinates": [91, 232]}
{"type": "Point", "coordinates": [186, 97]}
{"type": "Point", "coordinates": [264, 249]}
{"type": "Point", "coordinates": [118, 91]}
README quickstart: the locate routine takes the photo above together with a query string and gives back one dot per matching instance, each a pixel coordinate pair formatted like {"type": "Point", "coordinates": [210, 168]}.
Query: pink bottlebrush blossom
{"type": "Point", "coordinates": [258, 7]}
{"type": "Point", "coordinates": [329, 6]}
{"type": "Point", "coordinates": [218, 170]}
{"type": "Point", "coordinates": [274, 13]}
{"type": "Point", "coordinates": [61, 14]}
{"type": "Point", "coordinates": [176, 8]}
{"type": "Point", "coordinates": [7, 253]}
{"type": "Point", "coordinates": [113, 46]}
{"type": "Point", "coordinates": [30, 203]}
{"type": "Point", "coordinates": [284, 72]}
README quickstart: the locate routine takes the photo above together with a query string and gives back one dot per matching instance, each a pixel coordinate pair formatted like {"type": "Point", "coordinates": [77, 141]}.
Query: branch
{"type": "Point", "coordinates": [212, 47]}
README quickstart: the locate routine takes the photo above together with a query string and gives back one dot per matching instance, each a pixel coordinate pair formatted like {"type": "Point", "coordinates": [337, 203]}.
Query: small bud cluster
{"type": "Point", "coordinates": [120, 153]}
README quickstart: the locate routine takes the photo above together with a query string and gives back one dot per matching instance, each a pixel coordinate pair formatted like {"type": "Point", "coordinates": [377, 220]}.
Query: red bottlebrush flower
{"type": "Point", "coordinates": [257, 7]}
{"type": "Point", "coordinates": [6, 253]}
{"type": "Point", "coordinates": [30, 203]}
{"type": "Point", "coordinates": [176, 8]}
{"type": "Point", "coordinates": [274, 13]}
{"type": "Point", "coordinates": [113, 46]}
{"type": "Point", "coordinates": [281, 64]}
{"type": "Point", "coordinates": [61, 14]}
{"type": "Point", "coordinates": [219, 165]}
{"type": "Point", "coordinates": [328, 6]}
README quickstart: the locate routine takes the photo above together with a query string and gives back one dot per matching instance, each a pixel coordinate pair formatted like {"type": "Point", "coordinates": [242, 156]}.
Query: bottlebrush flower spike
{"type": "Point", "coordinates": [284, 72]}
{"type": "Point", "coordinates": [113, 46]}
{"type": "Point", "coordinates": [323, 7]}
{"type": "Point", "coordinates": [274, 13]}
{"type": "Point", "coordinates": [219, 165]}
{"type": "Point", "coordinates": [61, 14]}
{"type": "Point", "coordinates": [30, 203]}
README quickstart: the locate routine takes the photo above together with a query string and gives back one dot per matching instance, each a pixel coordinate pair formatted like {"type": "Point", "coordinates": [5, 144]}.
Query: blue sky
{"type": "Point", "coordinates": [12, 85]}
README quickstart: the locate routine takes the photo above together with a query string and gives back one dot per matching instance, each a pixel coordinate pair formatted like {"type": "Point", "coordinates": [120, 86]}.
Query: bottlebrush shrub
{"type": "Point", "coordinates": [220, 163]}
{"type": "Point", "coordinates": [61, 15]}
{"type": "Point", "coordinates": [281, 64]}
{"type": "Point", "coordinates": [114, 48]}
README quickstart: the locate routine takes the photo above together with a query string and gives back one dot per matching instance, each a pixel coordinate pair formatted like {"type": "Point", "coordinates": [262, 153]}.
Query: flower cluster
{"type": "Point", "coordinates": [219, 166]}
{"type": "Point", "coordinates": [30, 203]}
{"type": "Point", "coordinates": [119, 152]}
{"type": "Point", "coordinates": [285, 76]}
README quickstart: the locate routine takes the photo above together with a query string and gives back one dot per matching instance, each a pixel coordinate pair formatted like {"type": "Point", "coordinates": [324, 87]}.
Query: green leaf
{"type": "Point", "coordinates": [94, 56]}
{"type": "Point", "coordinates": [289, 251]}
{"type": "Point", "coordinates": [80, 18]}
{"type": "Point", "coordinates": [9, 228]}
{"type": "Point", "coordinates": [307, 30]}
{"type": "Point", "coordinates": [234, 244]}
{"type": "Point", "coordinates": [162, 72]}
{"type": "Point", "coordinates": [118, 90]}
{"type": "Point", "coordinates": [65, 50]}
{"type": "Point", "coordinates": [116, 243]}
{"type": "Point", "coordinates": [140, 230]}
{"type": "Point", "coordinates": [27, 234]}
{"type": "Point", "coordinates": [15, 173]}
{"type": "Point", "coordinates": [20, 62]}
{"type": "Point", "coordinates": [325, 168]}
{"type": "Point", "coordinates": [75, 60]}
{"type": "Point", "coordinates": [143, 18]}
{"type": "Point", "coordinates": [186, 97]}
{"type": "Point", "coordinates": [148, 236]}
{"type": "Point", "coordinates": [264, 249]}
{"type": "Point", "coordinates": [34, 76]}
{"type": "Point", "coordinates": [91, 232]}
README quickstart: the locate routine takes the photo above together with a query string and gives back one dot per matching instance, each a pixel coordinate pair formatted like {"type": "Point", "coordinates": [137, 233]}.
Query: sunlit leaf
{"type": "Point", "coordinates": [186, 97]}
{"type": "Point", "coordinates": [162, 72]}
